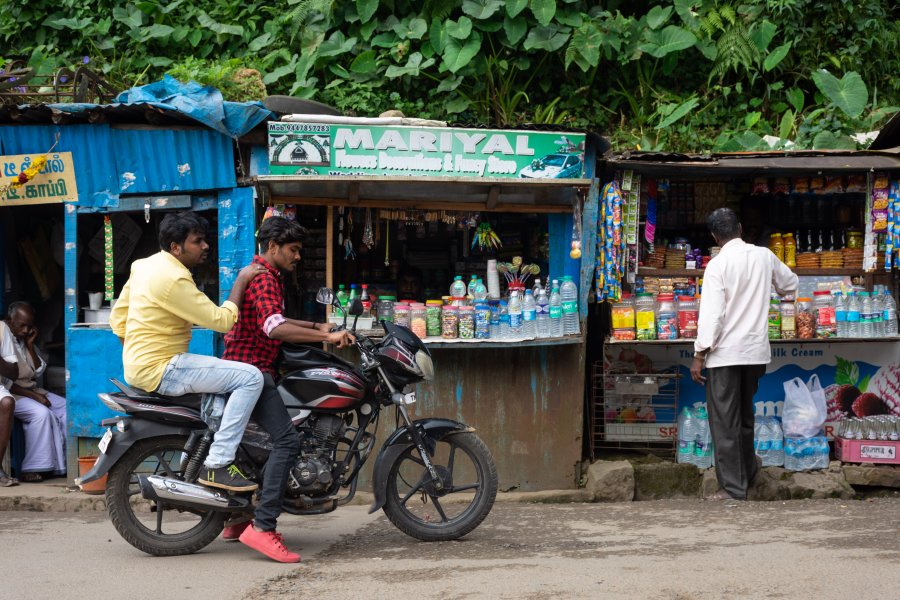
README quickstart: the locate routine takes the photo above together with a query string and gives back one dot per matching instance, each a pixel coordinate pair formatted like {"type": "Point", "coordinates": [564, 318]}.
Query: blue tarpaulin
{"type": "Point", "coordinates": [201, 103]}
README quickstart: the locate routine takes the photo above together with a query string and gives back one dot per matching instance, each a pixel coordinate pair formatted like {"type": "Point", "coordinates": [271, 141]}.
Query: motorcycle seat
{"type": "Point", "coordinates": [139, 395]}
{"type": "Point", "coordinates": [303, 357]}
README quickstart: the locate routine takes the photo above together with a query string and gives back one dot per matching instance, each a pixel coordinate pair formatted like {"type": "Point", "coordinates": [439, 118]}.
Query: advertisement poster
{"type": "Point", "coordinates": [325, 149]}
{"type": "Point", "coordinates": [55, 182]}
{"type": "Point", "coordinates": [860, 379]}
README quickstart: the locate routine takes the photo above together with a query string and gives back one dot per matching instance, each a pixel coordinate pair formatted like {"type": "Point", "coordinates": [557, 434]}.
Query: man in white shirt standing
{"type": "Point", "coordinates": [733, 343]}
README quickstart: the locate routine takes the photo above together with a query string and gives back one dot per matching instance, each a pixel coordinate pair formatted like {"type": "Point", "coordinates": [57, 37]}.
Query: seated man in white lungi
{"type": "Point", "coordinates": [42, 413]}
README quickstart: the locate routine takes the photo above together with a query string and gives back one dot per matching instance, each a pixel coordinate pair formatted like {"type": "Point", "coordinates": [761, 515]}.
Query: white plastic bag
{"type": "Point", "coordinates": [804, 407]}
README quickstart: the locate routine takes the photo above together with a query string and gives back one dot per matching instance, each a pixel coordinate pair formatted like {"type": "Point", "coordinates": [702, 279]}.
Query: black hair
{"type": "Point", "coordinates": [15, 307]}
{"type": "Point", "coordinates": [723, 223]}
{"type": "Point", "coordinates": [279, 231]}
{"type": "Point", "coordinates": [176, 227]}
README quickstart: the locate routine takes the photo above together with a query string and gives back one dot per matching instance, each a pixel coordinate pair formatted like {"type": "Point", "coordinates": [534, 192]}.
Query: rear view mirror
{"type": "Point", "coordinates": [325, 296]}
{"type": "Point", "coordinates": [356, 308]}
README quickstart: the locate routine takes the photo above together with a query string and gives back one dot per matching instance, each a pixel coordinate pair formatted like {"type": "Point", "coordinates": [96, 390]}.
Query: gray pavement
{"type": "Point", "coordinates": [666, 549]}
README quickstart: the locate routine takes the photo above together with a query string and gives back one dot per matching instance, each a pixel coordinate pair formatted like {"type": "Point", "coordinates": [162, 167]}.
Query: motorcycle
{"type": "Point", "coordinates": [433, 478]}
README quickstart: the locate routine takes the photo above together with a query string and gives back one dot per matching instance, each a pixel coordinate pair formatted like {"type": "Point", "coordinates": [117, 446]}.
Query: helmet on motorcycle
{"type": "Point", "coordinates": [403, 356]}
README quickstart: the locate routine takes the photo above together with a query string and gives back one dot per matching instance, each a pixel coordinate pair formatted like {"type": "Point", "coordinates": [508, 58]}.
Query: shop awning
{"type": "Point", "coordinates": [757, 163]}
{"type": "Point", "coordinates": [447, 193]}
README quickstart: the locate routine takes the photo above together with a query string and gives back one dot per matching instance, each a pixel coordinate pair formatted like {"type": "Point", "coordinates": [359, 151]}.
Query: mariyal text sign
{"type": "Point", "coordinates": [54, 183]}
{"type": "Point", "coordinates": [323, 149]}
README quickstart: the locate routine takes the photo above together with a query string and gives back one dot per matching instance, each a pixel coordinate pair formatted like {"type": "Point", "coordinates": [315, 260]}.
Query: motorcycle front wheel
{"type": "Point", "coordinates": [156, 528]}
{"type": "Point", "coordinates": [469, 479]}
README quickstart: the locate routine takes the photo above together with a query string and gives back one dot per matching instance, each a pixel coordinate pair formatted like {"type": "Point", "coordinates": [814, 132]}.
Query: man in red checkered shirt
{"type": "Point", "coordinates": [256, 340]}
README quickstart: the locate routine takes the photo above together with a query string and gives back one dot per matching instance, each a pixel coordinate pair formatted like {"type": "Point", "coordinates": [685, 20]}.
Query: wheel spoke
{"type": "Point", "coordinates": [411, 492]}
{"type": "Point", "coordinates": [439, 509]}
{"type": "Point", "coordinates": [450, 460]}
{"type": "Point", "coordinates": [165, 464]}
{"type": "Point", "coordinates": [463, 488]}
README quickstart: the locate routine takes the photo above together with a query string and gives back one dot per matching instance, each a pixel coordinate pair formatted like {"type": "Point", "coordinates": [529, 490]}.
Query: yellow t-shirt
{"type": "Point", "coordinates": [154, 314]}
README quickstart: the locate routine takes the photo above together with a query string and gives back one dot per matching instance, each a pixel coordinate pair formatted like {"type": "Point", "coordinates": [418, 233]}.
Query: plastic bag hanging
{"type": "Point", "coordinates": [575, 251]}
{"type": "Point", "coordinates": [108, 260]}
{"type": "Point", "coordinates": [368, 238]}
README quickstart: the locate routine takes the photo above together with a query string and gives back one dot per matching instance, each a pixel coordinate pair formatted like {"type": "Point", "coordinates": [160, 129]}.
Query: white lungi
{"type": "Point", "coordinates": [45, 434]}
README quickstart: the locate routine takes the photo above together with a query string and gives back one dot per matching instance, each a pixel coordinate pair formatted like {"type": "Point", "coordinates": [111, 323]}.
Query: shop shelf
{"type": "Point", "coordinates": [893, 338]}
{"type": "Point", "coordinates": [651, 272]}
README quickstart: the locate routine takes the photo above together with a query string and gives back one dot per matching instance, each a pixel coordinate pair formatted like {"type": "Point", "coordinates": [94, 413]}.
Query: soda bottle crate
{"type": "Point", "coordinates": [867, 451]}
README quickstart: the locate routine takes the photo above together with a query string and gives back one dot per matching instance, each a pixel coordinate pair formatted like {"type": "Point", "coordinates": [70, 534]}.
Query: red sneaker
{"type": "Point", "coordinates": [270, 543]}
{"type": "Point", "coordinates": [233, 532]}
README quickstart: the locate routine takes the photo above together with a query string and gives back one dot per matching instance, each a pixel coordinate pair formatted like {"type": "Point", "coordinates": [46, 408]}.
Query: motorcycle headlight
{"type": "Point", "coordinates": [426, 365]}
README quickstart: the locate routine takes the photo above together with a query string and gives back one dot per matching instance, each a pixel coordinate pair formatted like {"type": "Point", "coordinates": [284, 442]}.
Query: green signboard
{"type": "Point", "coordinates": [325, 149]}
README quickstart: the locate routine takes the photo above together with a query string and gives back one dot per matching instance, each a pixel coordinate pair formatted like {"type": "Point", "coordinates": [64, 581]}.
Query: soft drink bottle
{"type": "Point", "coordinates": [366, 302]}
{"type": "Point", "coordinates": [342, 298]}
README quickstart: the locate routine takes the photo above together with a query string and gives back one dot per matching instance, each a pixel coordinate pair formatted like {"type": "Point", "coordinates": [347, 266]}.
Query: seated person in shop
{"type": "Point", "coordinates": [42, 413]}
{"type": "Point", "coordinates": [7, 402]}
{"type": "Point", "coordinates": [256, 339]}
{"type": "Point", "coordinates": [409, 284]}
{"type": "Point", "coordinates": [153, 317]}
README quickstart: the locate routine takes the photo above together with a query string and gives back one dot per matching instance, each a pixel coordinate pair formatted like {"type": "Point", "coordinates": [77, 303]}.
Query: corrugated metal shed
{"type": "Point", "coordinates": [110, 161]}
{"type": "Point", "coordinates": [165, 160]}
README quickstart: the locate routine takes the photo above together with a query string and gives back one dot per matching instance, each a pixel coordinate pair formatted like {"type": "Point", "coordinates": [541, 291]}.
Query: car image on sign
{"type": "Point", "coordinates": [554, 166]}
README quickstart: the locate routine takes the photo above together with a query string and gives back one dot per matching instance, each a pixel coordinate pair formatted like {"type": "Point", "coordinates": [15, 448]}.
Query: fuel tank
{"type": "Point", "coordinates": [320, 381]}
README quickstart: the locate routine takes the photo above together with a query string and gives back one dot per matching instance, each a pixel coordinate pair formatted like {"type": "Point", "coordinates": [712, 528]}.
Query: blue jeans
{"type": "Point", "coordinates": [198, 374]}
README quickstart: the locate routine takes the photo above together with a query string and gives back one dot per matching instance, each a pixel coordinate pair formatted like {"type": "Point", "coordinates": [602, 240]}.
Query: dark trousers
{"type": "Point", "coordinates": [729, 400]}
{"type": "Point", "coordinates": [272, 416]}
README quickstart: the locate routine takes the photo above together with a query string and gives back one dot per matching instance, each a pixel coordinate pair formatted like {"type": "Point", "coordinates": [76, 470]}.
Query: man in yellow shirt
{"type": "Point", "coordinates": [153, 317]}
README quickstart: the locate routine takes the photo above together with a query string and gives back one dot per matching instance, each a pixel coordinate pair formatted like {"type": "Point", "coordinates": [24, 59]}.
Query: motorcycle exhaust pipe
{"type": "Point", "coordinates": [179, 493]}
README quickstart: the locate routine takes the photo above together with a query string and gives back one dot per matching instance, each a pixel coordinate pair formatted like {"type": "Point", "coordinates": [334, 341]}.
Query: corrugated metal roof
{"type": "Point", "coordinates": [166, 160]}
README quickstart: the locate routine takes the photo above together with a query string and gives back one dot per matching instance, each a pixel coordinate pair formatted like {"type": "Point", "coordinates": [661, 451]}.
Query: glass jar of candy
{"type": "Point", "coordinates": [450, 322]}
{"type": "Point", "coordinates": [688, 313]}
{"type": "Point", "coordinates": [666, 318]}
{"type": "Point", "coordinates": [417, 320]}
{"type": "Point", "coordinates": [466, 322]}
{"type": "Point", "coordinates": [386, 308]}
{"type": "Point", "coordinates": [401, 314]}
{"type": "Point", "coordinates": [623, 318]}
{"type": "Point", "coordinates": [645, 316]}
{"type": "Point", "coordinates": [433, 317]}
{"type": "Point", "coordinates": [482, 321]}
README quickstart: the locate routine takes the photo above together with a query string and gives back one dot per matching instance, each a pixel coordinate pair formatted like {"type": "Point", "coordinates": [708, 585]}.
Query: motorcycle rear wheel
{"type": "Point", "coordinates": [417, 509]}
{"type": "Point", "coordinates": [159, 456]}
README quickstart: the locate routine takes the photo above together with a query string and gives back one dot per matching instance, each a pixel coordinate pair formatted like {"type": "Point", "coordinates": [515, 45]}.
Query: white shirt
{"type": "Point", "coordinates": [734, 307]}
{"type": "Point", "coordinates": [7, 352]}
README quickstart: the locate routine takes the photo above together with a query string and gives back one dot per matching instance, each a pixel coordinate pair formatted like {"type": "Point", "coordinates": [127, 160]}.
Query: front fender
{"type": "Point", "coordinates": [137, 430]}
{"type": "Point", "coordinates": [431, 430]}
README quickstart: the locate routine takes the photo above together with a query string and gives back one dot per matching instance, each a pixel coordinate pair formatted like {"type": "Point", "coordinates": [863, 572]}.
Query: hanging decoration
{"type": "Point", "coordinates": [486, 238]}
{"type": "Point", "coordinates": [650, 226]}
{"type": "Point", "coordinates": [610, 244]}
{"type": "Point", "coordinates": [387, 244]}
{"type": "Point", "coordinates": [30, 172]}
{"type": "Point", "coordinates": [281, 210]}
{"type": "Point", "coordinates": [349, 252]}
{"type": "Point", "coordinates": [108, 260]}
{"type": "Point", "coordinates": [368, 238]}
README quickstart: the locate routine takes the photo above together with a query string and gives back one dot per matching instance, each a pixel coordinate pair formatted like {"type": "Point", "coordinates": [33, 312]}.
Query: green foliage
{"type": "Point", "coordinates": [675, 74]}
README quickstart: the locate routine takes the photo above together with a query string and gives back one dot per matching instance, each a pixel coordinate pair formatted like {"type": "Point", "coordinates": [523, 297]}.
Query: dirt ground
{"type": "Point", "coordinates": [674, 550]}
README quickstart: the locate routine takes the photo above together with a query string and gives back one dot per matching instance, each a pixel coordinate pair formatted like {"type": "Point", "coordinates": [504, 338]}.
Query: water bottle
{"type": "Point", "coordinates": [515, 314]}
{"type": "Point", "coordinates": [776, 443]}
{"type": "Point", "coordinates": [536, 288]}
{"type": "Point", "coordinates": [889, 314]}
{"type": "Point", "coordinates": [840, 313]}
{"type": "Point", "coordinates": [568, 293]}
{"type": "Point", "coordinates": [529, 315]}
{"type": "Point", "coordinates": [481, 292]}
{"type": "Point", "coordinates": [866, 323]}
{"type": "Point", "coordinates": [761, 438]}
{"type": "Point", "coordinates": [878, 314]}
{"type": "Point", "coordinates": [504, 320]}
{"type": "Point", "coordinates": [555, 311]}
{"type": "Point", "coordinates": [853, 316]}
{"type": "Point", "coordinates": [702, 441]}
{"type": "Point", "coordinates": [470, 289]}
{"type": "Point", "coordinates": [543, 314]}
{"type": "Point", "coordinates": [495, 319]}
{"type": "Point", "coordinates": [686, 434]}
{"type": "Point", "coordinates": [458, 287]}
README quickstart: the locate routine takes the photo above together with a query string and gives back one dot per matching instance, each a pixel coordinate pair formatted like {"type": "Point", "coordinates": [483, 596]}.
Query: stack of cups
{"type": "Point", "coordinates": [493, 279]}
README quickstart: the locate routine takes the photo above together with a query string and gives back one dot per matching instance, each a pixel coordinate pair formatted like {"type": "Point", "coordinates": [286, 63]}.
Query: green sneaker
{"type": "Point", "coordinates": [227, 478]}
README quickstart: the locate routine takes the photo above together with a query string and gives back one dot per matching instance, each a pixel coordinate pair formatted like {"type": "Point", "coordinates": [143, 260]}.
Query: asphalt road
{"type": "Point", "coordinates": [671, 549]}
